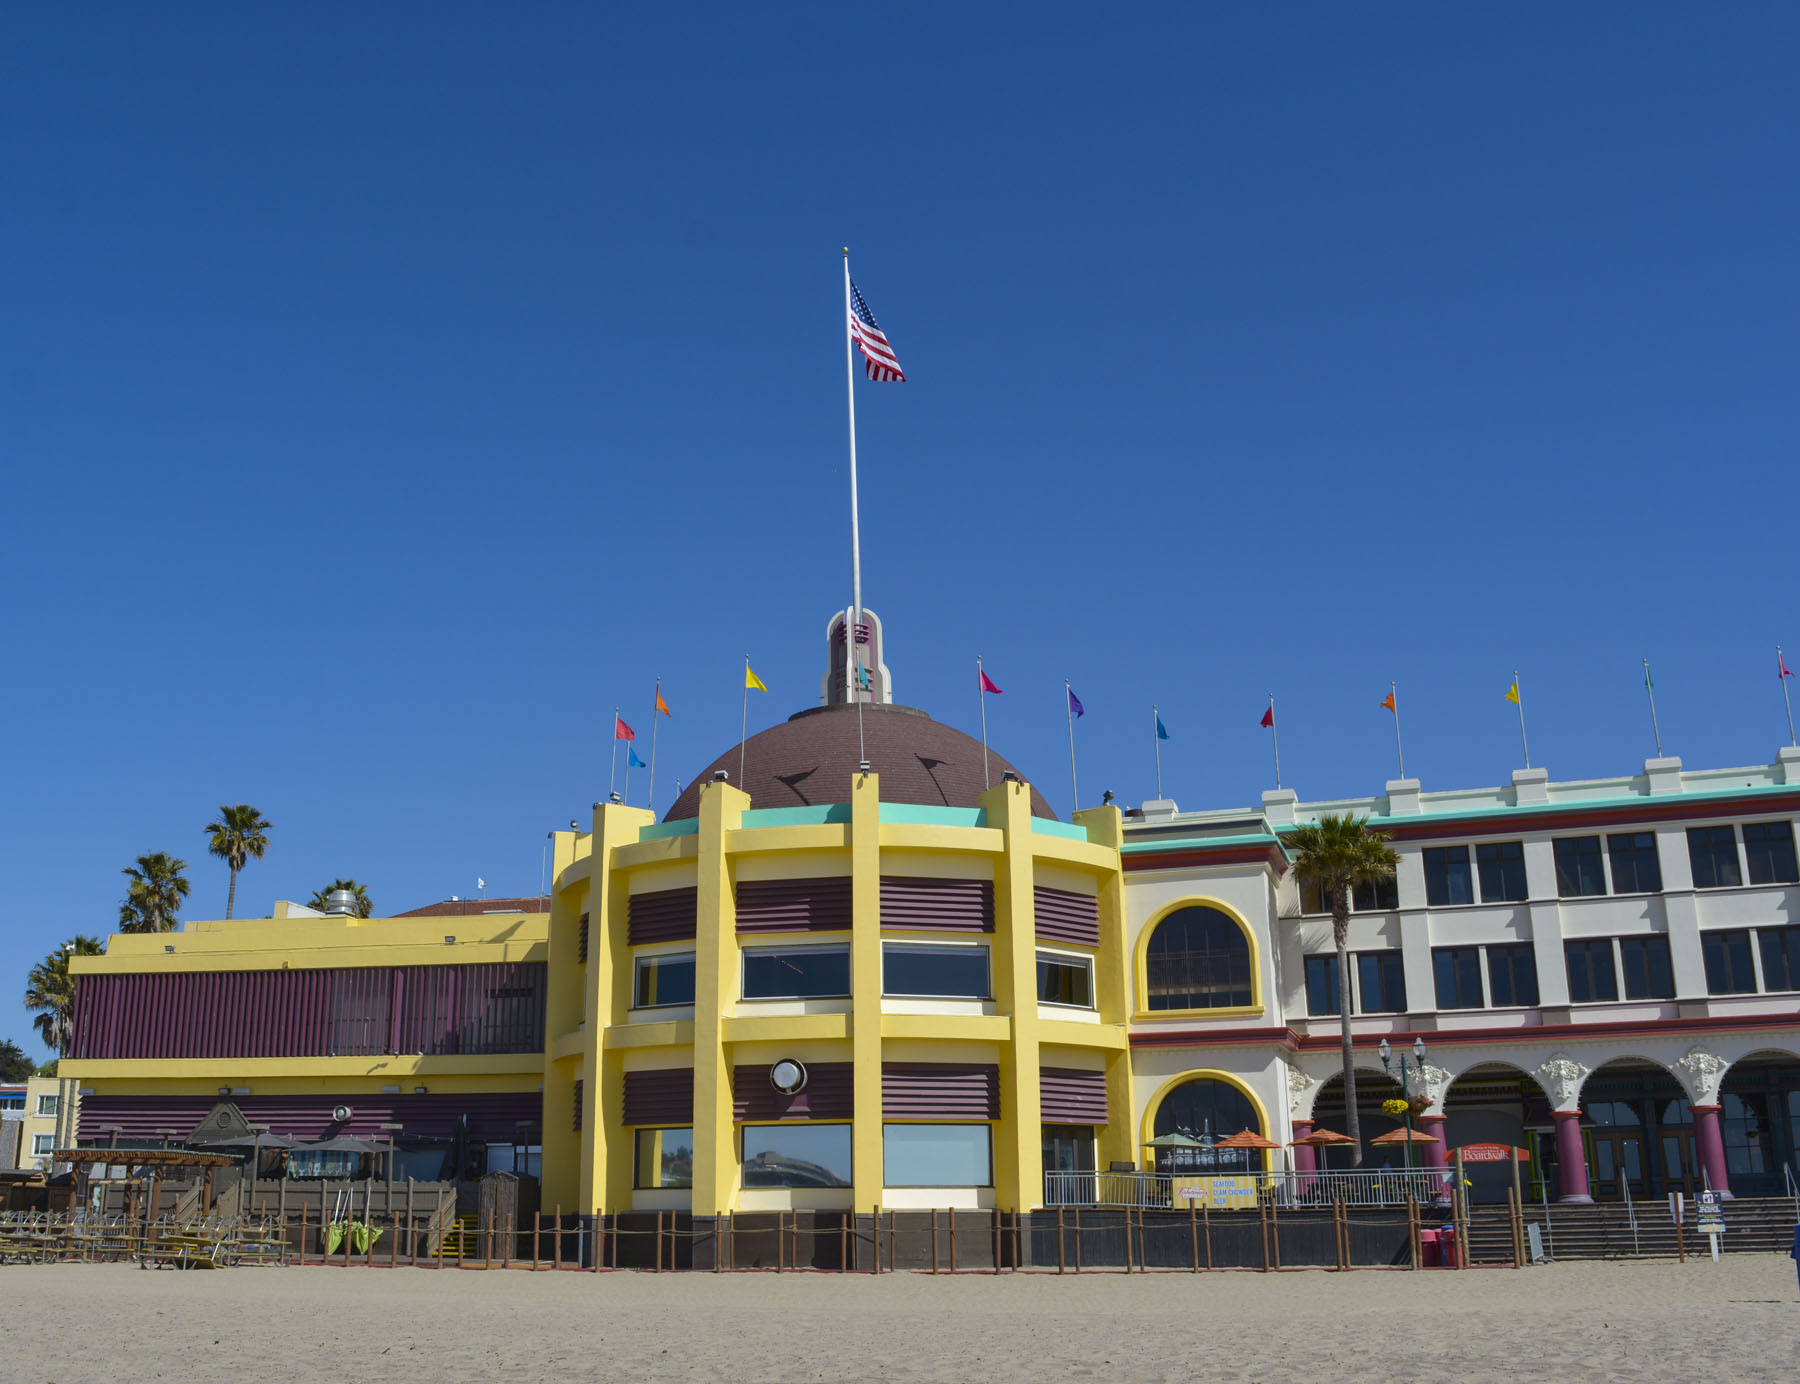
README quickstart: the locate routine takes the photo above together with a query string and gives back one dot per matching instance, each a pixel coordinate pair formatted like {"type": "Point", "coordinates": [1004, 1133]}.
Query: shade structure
{"type": "Point", "coordinates": [1173, 1141]}
{"type": "Point", "coordinates": [1406, 1136]}
{"type": "Point", "coordinates": [1321, 1138]}
{"type": "Point", "coordinates": [1246, 1139]}
{"type": "Point", "coordinates": [246, 1141]}
{"type": "Point", "coordinates": [343, 1143]}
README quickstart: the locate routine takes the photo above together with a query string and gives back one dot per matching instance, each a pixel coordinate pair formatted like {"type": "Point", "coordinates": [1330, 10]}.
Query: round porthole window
{"type": "Point", "coordinates": [787, 1076]}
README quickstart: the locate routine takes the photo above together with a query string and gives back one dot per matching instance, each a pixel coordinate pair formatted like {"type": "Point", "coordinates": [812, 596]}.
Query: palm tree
{"type": "Point", "coordinates": [364, 909]}
{"type": "Point", "coordinates": [1339, 853]}
{"type": "Point", "coordinates": [238, 836]}
{"type": "Point", "coordinates": [154, 896]}
{"type": "Point", "coordinates": [50, 993]}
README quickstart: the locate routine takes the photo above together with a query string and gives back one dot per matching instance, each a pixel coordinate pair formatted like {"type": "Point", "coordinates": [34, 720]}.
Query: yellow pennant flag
{"type": "Point", "coordinates": [1512, 693]}
{"type": "Point", "coordinates": [751, 680]}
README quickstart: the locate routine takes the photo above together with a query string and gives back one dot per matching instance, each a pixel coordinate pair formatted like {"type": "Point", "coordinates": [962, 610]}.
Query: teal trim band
{"type": "Point", "coordinates": [1195, 843]}
{"type": "Point", "coordinates": [1044, 826]}
{"type": "Point", "coordinates": [1578, 805]}
{"type": "Point", "coordinates": [921, 815]}
{"type": "Point", "coordinates": [820, 814]}
{"type": "Point", "coordinates": [657, 831]}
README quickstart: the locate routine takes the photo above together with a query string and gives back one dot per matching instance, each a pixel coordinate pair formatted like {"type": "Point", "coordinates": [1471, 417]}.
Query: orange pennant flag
{"type": "Point", "coordinates": [1388, 702]}
{"type": "Point", "coordinates": [661, 705]}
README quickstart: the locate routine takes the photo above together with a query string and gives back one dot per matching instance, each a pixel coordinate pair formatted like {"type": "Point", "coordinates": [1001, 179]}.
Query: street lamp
{"type": "Point", "coordinates": [1418, 1064]}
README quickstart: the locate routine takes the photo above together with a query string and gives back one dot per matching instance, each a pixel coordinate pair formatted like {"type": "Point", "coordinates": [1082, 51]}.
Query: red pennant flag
{"type": "Point", "coordinates": [987, 683]}
{"type": "Point", "coordinates": [1268, 718]}
{"type": "Point", "coordinates": [621, 731]}
{"type": "Point", "coordinates": [1786, 671]}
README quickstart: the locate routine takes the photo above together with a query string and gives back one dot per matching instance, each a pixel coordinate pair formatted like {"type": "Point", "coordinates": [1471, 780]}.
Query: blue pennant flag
{"type": "Point", "coordinates": [632, 760]}
{"type": "Point", "coordinates": [862, 677]}
{"type": "Point", "coordinates": [1162, 731]}
{"type": "Point", "coordinates": [1075, 707]}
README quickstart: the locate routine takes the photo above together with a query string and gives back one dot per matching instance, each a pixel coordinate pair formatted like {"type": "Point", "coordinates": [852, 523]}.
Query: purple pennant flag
{"type": "Point", "coordinates": [1075, 707]}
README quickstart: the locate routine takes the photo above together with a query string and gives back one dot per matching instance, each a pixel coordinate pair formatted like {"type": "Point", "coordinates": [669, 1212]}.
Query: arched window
{"type": "Point", "coordinates": [1204, 1110]}
{"type": "Point", "coordinates": [1198, 958]}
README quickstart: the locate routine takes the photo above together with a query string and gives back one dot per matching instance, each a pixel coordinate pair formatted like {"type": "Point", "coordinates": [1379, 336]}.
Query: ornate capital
{"type": "Point", "coordinates": [1299, 1083]}
{"type": "Point", "coordinates": [1704, 1070]}
{"type": "Point", "coordinates": [1433, 1081]}
{"type": "Point", "coordinates": [1562, 1077]}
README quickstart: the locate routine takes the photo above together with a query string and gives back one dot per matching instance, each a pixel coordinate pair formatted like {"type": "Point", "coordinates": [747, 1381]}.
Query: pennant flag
{"type": "Point", "coordinates": [1388, 702]}
{"type": "Point", "coordinates": [751, 680]}
{"type": "Point", "coordinates": [632, 759]}
{"type": "Point", "coordinates": [862, 677]}
{"type": "Point", "coordinates": [1512, 693]}
{"type": "Point", "coordinates": [661, 705]}
{"type": "Point", "coordinates": [1648, 685]}
{"type": "Point", "coordinates": [1268, 718]}
{"type": "Point", "coordinates": [1162, 731]}
{"type": "Point", "coordinates": [987, 684]}
{"type": "Point", "coordinates": [621, 731]}
{"type": "Point", "coordinates": [878, 357]}
{"type": "Point", "coordinates": [1786, 671]}
{"type": "Point", "coordinates": [1075, 706]}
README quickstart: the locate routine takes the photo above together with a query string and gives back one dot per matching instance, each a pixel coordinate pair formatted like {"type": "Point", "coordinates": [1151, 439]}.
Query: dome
{"type": "Point", "coordinates": [809, 759]}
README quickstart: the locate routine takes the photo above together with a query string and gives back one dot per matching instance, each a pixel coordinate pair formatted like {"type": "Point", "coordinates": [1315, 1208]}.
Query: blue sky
{"type": "Point", "coordinates": [386, 392]}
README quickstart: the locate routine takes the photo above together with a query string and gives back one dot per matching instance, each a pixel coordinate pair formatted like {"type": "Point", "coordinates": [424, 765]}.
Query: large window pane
{"type": "Point", "coordinates": [936, 1155]}
{"type": "Point", "coordinates": [1578, 870]}
{"type": "Point", "coordinates": [1206, 1110]}
{"type": "Point", "coordinates": [665, 1158]}
{"type": "Point", "coordinates": [1198, 958]}
{"type": "Point", "coordinates": [1065, 980]}
{"type": "Point", "coordinates": [1769, 852]}
{"type": "Point", "coordinates": [1512, 976]}
{"type": "Point", "coordinates": [1780, 957]}
{"type": "Point", "coordinates": [1381, 897]}
{"type": "Point", "coordinates": [1457, 971]}
{"type": "Point", "coordinates": [664, 980]}
{"type": "Point", "coordinates": [1727, 956]}
{"type": "Point", "coordinates": [797, 1155]}
{"type": "Point", "coordinates": [1636, 868]}
{"type": "Point", "coordinates": [1321, 984]}
{"type": "Point", "coordinates": [772, 973]}
{"type": "Point", "coordinates": [1591, 975]}
{"type": "Point", "coordinates": [1648, 972]}
{"type": "Point", "coordinates": [1447, 876]}
{"type": "Point", "coordinates": [1502, 868]}
{"type": "Point", "coordinates": [1713, 853]}
{"type": "Point", "coordinates": [1380, 983]}
{"type": "Point", "coordinates": [935, 972]}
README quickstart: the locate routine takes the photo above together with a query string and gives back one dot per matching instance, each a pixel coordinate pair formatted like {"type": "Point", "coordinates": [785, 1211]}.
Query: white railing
{"type": "Point", "coordinates": [1229, 1191]}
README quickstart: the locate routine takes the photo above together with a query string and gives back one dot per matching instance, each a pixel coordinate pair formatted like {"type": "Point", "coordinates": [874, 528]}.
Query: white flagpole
{"type": "Point", "coordinates": [981, 694]}
{"type": "Point", "coordinates": [1156, 740]}
{"type": "Point", "coordinates": [1275, 735]}
{"type": "Point", "coordinates": [1074, 783]}
{"type": "Point", "coordinates": [862, 753]}
{"type": "Point", "coordinates": [1650, 692]}
{"type": "Point", "coordinates": [652, 803]}
{"type": "Point", "coordinates": [1399, 750]}
{"type": "Point", "coordinates": [625, 792]}
{"type": "Point", "coordinates": [612, 769]}
{"type": "Point", "coordinates": [1523, 742]}
{"type": "Point", "coordinates": [744, 725]}
{"type": "Point", "coordinates": [1781, 664]}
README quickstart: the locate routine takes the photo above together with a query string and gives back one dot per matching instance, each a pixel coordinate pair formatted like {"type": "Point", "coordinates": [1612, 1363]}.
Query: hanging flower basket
{"type": "Point", "coordinates": [1395, 1107]}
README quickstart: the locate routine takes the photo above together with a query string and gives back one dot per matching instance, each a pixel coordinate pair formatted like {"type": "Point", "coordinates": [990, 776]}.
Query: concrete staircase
{"type": "Point", "coordinates": [1611, 1230]}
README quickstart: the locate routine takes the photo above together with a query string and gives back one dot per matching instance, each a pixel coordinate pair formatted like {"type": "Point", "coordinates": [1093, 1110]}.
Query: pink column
{"type": "Point", "coordinates": [1711, 1142]}
{"type": "Point", "coordinates": [1433, 1156]}
{"type": "Point", "coordinates": [1571, 1159]}
{"type": "Point", "coordinates": [1305, 1161]}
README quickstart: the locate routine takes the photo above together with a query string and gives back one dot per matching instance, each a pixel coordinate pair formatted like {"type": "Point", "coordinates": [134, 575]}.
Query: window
{"type": "Point", "coordinates": [664, 980]}
{"type": "Point", "coordinates": [575, 1122]}
{"type": "Point", "coordinates": [1457, 971]}
{"type": "Point", "coordinates": [1447, 876]}
{"type": "Point", "coordinates": [1780, 957]}
{"type": "Point", "coordinates": [1512, 976]}
{"type": "Point", "coordinates": [1313, 898]}
{"type": "Point", "coordinates": [12, 1102]}
{"type": "Point", "coordinates": [1727, 956]}
{"type": "Point", "coordinates": [1648, 974]}
{"type": "Point", "coordinates": [47, 1107]}
{"type": "Point", "coordinates": [1578, 870]}
{"type": "Point", "coordinates": [1321, 984]}
{"type": "Point", "coordinates": [42, 1144]}
{"type": "Point", "coordinates": [1591, 973]}
{"type": "Point", "coordinates": [1636, 868]}
{"type": "Point", "coordinates": [1381, 897]}
{"type": "Point", "coordinates": [786, 973]}
{"type": "Point", "coordinates": [1065, 979]}
{"type": "Point", "coordinates": [1501, 865]}
{"type": "Point", "coordinates": [1713, 851]}
{"type": "Point", "coordinates": [665, 1158]}
{"type": "Point", "coordinates": [797, 1155]}
{"type": "Point", "coordinates": [937, 1155]}
{"type": "Point", "coordinates": [1769, 852]}
{"type": "Point", "coordinates": [1069, 1149]}
{"type": "Point", "coordinates": [910, 968]}
{"type": "Point", "coordinates": [581, 944]}
{"type": "Point", "coordinates": [1198, 958]}
{"type": "Point", "coordinates": [1207, 1110]}
{"type": "Point", "coordinates": [1380, 982]}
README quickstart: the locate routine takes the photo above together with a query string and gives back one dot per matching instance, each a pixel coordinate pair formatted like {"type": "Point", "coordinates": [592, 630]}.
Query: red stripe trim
{"type": "Point", "coordinates": [1661, 810]}
{"type": "Point", "coordinates": [1221, 1037]}
{"type": "Point", "coordinates": [1215, 855]}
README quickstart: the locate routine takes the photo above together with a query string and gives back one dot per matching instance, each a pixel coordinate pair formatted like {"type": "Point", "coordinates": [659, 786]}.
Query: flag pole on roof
{"type": "Point", "coordinates": [1161, 734]}
{"type": "Point", "coordinates": [1274, 735]}
{"type": "Point", "coordinates": [1392, 703]}
{"type": "Point", "coordinates": [984, 685]}
{"type": "Point", "coordinates": [612, 769]}
{"type": "Point", "coordinates": [1650, 692]}
{"type": "Point", "coordinates": [1786, 673]}
{"type": "Point", "coordinates": [1517, 698]}
{"type": "Point", "coordinates": [1074, 709]}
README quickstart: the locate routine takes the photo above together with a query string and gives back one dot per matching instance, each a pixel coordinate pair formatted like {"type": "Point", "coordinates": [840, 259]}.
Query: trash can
{"type": "Point", "coordinates": [1447, 1247]}
{"type": "Point", "coordinates": [1431, 1253]}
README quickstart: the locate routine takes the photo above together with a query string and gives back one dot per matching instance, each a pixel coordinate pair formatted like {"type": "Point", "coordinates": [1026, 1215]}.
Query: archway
{"type": "Point", "coordinates": [1373, 1086]}
{"type": "Point", "coordinates": [1759, 1118]}
{"type": "Point", "coordinates": [1637, 1132]}
{"type": "Point", "coordinates": [1497, 1103]}
{"type": "Point", "coordinates": [1205, 1109]}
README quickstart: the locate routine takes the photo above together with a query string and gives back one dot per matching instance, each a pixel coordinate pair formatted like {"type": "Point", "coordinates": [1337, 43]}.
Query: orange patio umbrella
{"type": "Point", "coordinates": [1321, 1138]}
{"type": "Point", "coordinates": [1406, 1136]}
{"type": "Point", "coordinates": [1246, 1139]}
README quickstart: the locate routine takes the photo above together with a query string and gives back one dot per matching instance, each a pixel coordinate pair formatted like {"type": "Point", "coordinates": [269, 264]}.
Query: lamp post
{"type": "Point", "coordinates": [1418, 1063]}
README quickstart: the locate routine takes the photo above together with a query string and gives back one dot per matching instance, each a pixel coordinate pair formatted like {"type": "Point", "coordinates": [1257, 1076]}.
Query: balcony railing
{"type": "Point", "coordinates": [1178, 1191]}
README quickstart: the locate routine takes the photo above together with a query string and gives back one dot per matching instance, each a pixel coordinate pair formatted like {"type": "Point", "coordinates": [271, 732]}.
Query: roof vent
{"type": "Point", "coordinates": [340, 903]}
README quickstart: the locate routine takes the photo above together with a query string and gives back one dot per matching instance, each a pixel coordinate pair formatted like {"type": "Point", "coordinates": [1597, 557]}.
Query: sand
{"type": "Point", "coordinates": [1638, 1321]}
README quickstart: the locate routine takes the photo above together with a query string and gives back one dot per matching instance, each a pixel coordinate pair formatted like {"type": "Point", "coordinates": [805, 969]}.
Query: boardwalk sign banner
{"type": "Point", "coordinates": [1492, 1153]}
{"type": "Point", "coordinates": [1218, 1193]}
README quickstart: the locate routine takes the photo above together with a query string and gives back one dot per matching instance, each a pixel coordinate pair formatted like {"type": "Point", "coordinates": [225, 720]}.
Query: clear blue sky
{"type": "Point", "coordinates": [387, 391]}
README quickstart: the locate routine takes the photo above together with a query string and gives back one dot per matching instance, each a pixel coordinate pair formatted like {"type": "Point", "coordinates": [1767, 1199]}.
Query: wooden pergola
{"type": "Point", "coordinates": [84, 1161]}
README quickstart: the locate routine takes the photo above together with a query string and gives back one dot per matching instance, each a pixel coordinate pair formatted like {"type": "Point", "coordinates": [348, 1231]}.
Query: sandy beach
{"type": "Point", "coordinates": [1640, 1321]}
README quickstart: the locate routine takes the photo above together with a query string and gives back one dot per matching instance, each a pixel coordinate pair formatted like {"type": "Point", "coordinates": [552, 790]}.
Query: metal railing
{"type": "Point", "coordinates": [1230, 1191]}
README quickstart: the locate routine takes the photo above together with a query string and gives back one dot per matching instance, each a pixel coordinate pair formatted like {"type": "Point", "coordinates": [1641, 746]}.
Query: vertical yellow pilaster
{"type": "Point", "coordinates": [865, 987]}
{"type": "Point", "coordinates": [562, 1158]}
{"type": "Point", "coordinates": [715, 993]}
{"type": "Point", "coordinates": [1112, 982]}
{"type": "Point", "coordinates": [1018, 1138]}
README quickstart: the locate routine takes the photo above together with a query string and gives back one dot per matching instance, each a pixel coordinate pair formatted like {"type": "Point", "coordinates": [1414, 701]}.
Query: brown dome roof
{"type": "Point", "coordinates": [810, 758]}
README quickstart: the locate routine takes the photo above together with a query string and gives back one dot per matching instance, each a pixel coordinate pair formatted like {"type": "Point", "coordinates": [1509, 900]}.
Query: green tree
{"type": "Point", "coordinates": [50, 993]}
{"type": "Point", "coordinates": [364, 908]}
{"type": "Point", "coordinates": [153, 898]}
{"type": "Point", "coordinates": [14, 1064]}
{"type": "Point", "coordinates": [48, 1069]}
{"type": "Point", "coordinates": [1338, 853]}
{"type": "Point", "coordinates": [240, 835]}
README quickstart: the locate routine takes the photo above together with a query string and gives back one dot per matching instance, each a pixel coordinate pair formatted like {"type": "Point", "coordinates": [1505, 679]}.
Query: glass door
{"type": "Point", "coordinates": [1680, 1173]}
{"type": "Point", "coordinates": [1617, 1159]}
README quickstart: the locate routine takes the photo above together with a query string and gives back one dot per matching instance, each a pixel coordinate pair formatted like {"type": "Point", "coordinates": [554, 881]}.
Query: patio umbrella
{"type": "Point", "coordinates": [343, 1143]}
{"type": "Point", "coordinates": [1406, 1136]}
{"type": "Point", "coordinates": [1173, 1141]}
{"type": "Point", "coordinates": [1246, 1139]}
{"type": "Point", "coordinates": [1321, 1138]}
{"type": "Point", "coordinates": [247, 1141]}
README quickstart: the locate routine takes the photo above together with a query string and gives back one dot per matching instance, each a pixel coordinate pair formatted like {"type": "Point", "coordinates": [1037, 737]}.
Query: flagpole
{"type": "Point", "coordinates": [744, 725]}
{"type": "Point", "coordinates": [1526, 744]}
{"type": "Point", "coordinates": [1275, 735]}
{"type": "Point", "coordinates": [1156, 741]}
{"type": "Point", "coordinates": [612, 769]}
{"type": "Point", "coordinates": [1650, 691]}
{"type": "Point", "coordinates": [981, 695]}
{"type": "Point", "coordinates": [652, 803]}
{"type": "Point", "coordinates": [855, 526]}
{"type": "Point", "coordinates": [1399, 749]}
{"type": "Point", "coordinates": [1784, 675]}
{"type": "Point", "coordinates": [630, 750]}
{"type": "Point", "coordinates": [1074, 783]}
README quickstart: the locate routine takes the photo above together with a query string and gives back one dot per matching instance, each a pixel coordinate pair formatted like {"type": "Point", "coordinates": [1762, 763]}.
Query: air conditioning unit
{"type": "Point", "coordinates": [341, 1114]}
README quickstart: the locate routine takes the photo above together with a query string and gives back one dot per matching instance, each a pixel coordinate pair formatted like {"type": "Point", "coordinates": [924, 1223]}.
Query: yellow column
{"type": "Point", "coordinates": [715, 995]}
{"type": "Point", "coordinates": [1018, 1138]}
{"type": "Point", "coordinates": [865, 987]}
{"type": "Point", "coordinates": [1112, 983]}
{"type": "Point", "coordinates": [563, 1001]}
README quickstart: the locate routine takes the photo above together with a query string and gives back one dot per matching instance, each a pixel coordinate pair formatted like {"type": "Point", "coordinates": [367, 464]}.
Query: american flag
{"type": "Point", "coordinates": [878, 357]}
